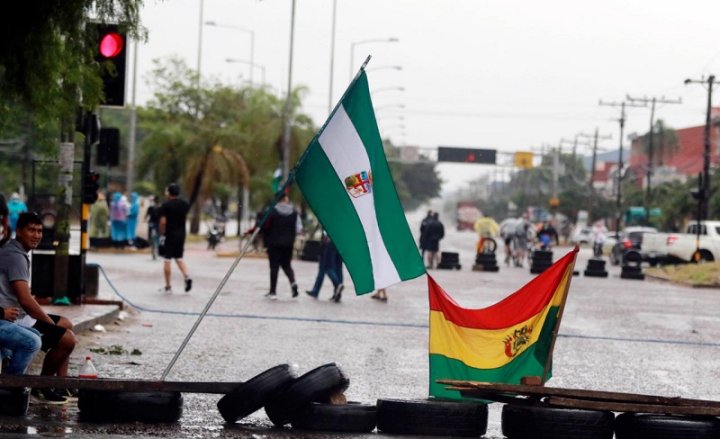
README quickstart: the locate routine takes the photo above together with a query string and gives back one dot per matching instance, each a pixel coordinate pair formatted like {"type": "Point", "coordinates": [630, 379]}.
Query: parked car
{"type": "Point", "coordinates": [683, 247]}
{"type": "Point", "coordinates": [630, 239]}
{"type": "Point", "coordinates": [581, 235]}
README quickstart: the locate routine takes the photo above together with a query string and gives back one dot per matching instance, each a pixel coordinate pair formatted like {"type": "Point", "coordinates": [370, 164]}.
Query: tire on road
{"type": "Point", "coordinates": [251, 395]}
{"type": "Point", "coordinates": [14, 402]}
{"type": "Point", "coordinates": [316, 385]}
{"type": "Point", "coordinates": [352, 417]}
{"type": "Point", "coordinates": [431, 417]}
{"type": "Point", "coordinates": [533, 422]}
{"type": "Point", "coordinates": [652, 426]}
{"type": "Point", "coordinates": [112, 405]}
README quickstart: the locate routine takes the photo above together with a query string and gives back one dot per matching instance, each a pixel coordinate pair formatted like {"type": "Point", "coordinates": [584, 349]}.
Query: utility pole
{"type": "Point", "coordinates": [652, 101]}
{"type": "Point", "coordinates": [593, 162]}
{"type": "Point", "coordinates": [618, 202]}
{"type": "Point", "coordinates": [705, 200]}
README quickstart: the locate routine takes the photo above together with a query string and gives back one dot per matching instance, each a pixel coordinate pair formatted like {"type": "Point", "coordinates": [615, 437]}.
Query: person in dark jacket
{"type": "Point", "coordinates": [279, 231]}
{"type": "Point", "coordinates": [435, 232]}
{"type": "Point", "coordinates": [423, 232]}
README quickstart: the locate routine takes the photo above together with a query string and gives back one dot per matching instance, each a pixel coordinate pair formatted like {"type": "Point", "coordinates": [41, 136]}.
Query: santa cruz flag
{"type": "Point", "coordinates": [503, 342]}
{"type": "Point", "coordinates": [346, 180]}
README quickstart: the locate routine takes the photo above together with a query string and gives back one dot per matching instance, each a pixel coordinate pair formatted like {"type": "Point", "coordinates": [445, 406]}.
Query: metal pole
{"type": "Point", "coordinates": [651, 135]}
{"type": "Point", "coordinates": [133, 124]}
{"type": "Point", "coordinates": [618, 205]}
{"type": "Point", "coordinates": [706, 164]}
{"type": "Point", "coordinates": [200, 32]}
{"type": "Point", "coordinates": [288, 122]}
{"type": "Point", "coordinates": [332, 57]}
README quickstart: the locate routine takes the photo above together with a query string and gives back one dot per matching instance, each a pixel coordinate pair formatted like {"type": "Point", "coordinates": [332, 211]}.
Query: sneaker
{"type": "Point", "coordinates": [271, 295]}
{"type": "Point", "coordinates": [188, 284]}
{"type": "Point", "coordinates": [338, 293]}
{"type": "Point", "coordinates": [69, 393]}
{"type": "Point", "coordinates": [47, 396]}
{"type": "Point", "coordinates": [294, 290]}
{"type": "Point", "coordinates": [166, 290]}
{"type": "Point", "coordinates": [312, 294]}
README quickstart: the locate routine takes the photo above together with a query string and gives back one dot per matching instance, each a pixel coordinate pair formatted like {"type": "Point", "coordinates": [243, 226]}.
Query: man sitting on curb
{"type": "Point", "coordinates": [58, 340]}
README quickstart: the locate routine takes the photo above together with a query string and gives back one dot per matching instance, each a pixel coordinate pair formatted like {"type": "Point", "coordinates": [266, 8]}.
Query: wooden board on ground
{"type": "Point", "coordinates": [126, 385]}
{"type": "Point", "coordinates": [584, 399]}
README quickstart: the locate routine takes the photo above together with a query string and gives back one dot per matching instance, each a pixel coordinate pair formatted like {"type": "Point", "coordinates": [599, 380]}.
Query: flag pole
{"type": "Point", "coordinates": [278, 195]}
{"type": "Point", "coordinates": [556, 329]}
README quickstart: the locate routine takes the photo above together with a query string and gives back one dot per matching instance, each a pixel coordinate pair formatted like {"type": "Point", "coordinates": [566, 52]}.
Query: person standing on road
{"type": "Point", "coordinates": [15, 206]}
{"type": "Point", "coordinates": [279, 231]}
{"type": "Point", "coordinates": [423, 232]}
{"type": "Point", "coordinates": [99, 218]}
{"type": "Point", "coordinates": [118, 220]}
{"type": "Point", "coordinates": [328, 264]}
{"type": "Point", "coordinates": [599, 235]}
{"type": "Point", "coordinates": [152, 216]}
{"type": "Point", "coordinates": [435, 232]}
{"type": "Point", "coordinates": [546, 235]}
{"type": "Point", "coordinates": [485, 227]}
{"type": "Point", "coordinates": [171, 225]}
{"type": "Point", "coordinates": [132, 217]}
{"type": "Point", "coordinates": [57, 337]}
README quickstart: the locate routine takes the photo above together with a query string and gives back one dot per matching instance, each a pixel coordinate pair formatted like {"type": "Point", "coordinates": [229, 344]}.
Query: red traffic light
{"type": "Point", "coordinates": [111, 45]}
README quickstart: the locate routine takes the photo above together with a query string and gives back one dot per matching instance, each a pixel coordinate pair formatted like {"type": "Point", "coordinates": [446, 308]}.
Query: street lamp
{"type": "Point", "coordinates": [252, 41]}
{"type": "Point", "coordinates": [251, 64]}
{"type": "Point", "coordinates": [706, 162]}
{"type": "Point", "coordinates": [356, 43]}
{"type": "Point", "coordinates": [372, 69]}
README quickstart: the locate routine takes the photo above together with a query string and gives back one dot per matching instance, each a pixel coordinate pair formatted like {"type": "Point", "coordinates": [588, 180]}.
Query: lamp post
{"type": "Point", "coordinates": [706, 157]}
{"type": "Point", "coordinates": [251, 64]}
{"type": "Point", "coordinates": [252, 41]}
{"type": "Point", "coordinates": [287, 121]}
{"type": "Point", "coordinates": [356, 43]}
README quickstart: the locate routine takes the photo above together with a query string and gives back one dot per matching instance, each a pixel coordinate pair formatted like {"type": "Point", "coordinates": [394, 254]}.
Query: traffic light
{"type": "Point", "coordinates": [111, 54]}
{"type": "Point", "coordinates": [90, 187]}
{"type": "Point", "coordinates": [466, 155]}
{"type": "Point", "coordinates": [108, 148]}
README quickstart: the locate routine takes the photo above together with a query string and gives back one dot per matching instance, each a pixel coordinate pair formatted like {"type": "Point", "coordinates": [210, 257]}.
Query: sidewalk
{"type": "Point", "coordinates": [86, 316]}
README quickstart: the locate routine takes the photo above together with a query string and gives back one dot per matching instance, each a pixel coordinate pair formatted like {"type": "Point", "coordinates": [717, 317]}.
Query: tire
{"type": "Point", "coordinates": [489, 246]}
{"type": "Point", "coordinates": [706, 256]}
{"type": "Point", "coordinates": [431, 417]}
{"type": "Point", "coordinates": [14, 402]}
{"type": "Point", "coordinates": [542, 255]}
{"type": "Point", "coordinates": [112, 405]}
{"type": "Point", "coordinates": [651, 426]}
{"type": "Point", "coordinates": [532, 422]}
{"type": "Point", "coordinates": [251, 395]}
{"type": "Point", "coordinates": [352, 417]}
{"type": "Point", "coordinates": [596, 264]}
{"type": "Point", "coordinates": [315, 386]}
{"type": "Point", "coordinates": [632, 257]}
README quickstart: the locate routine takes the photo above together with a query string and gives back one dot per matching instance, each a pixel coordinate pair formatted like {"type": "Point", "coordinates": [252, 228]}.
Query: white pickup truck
{"type": "Point", "coordinates": [681, 247]}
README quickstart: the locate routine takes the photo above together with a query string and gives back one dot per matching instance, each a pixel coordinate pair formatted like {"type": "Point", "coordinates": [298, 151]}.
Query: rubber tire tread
{"type": "Point", "coordinates": [532, 422]}
{"type": "Point", "coordinates": [252, 395]}
{"type": "Point", "coordinates": [316, 385]}
{"type": "Point", "coordinates": [351, 417]}
{"type": "Point", "coordinates": [14, 401]}
{"type": "Point", "coordinates": [432, 417]}
{"type": "Point", "coordinates": [112, 405]}
{"type": "Point", "coordinates": [653, 426]}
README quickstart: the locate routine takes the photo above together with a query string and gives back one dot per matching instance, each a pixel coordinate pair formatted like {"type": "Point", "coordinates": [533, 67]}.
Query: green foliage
{"type": "Point", "coordinates": [416, 182]}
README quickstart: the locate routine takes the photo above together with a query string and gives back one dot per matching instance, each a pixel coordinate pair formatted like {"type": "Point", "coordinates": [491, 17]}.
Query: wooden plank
{"type": "Point", "coordinates": [598, 395]}
{"type": "Point", "coordinates": [127, 385]}
{"type": "Point", "coordinates": [632, 407]}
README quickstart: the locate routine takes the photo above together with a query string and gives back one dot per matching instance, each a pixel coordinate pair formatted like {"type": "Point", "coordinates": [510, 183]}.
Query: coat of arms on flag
{"type": "Point", "coordinates": [359, 184]}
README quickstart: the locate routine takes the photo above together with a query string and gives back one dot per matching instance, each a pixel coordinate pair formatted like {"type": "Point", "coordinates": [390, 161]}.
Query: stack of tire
{"type": "Point", "coordinates": [596, 268]}
{"type": "Point", "coordinates": [126, 406]}
{"type": "Point", "coordinates": [632, 265]}
{"type": "Point", "coordinates": [534, 421]}
{"type": "Point", "coordinates": [313, 401]}
{"type": "Point", "coordinates": [540, 261]}
{"type": "Point", "coordinates": [485, 260]}
{"type": "Point", "coordinates": [431, 417]}
{"type": "Point", "coordinates": [449, 261]}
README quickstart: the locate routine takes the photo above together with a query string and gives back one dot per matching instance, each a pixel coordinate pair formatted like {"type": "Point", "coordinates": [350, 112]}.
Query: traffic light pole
{"type": "Point", "coordinates": [91, 132]}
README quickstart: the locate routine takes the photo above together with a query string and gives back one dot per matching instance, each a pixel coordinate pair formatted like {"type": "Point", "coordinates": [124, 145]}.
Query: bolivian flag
{"type": "Point", "coordinates": [503, 342]}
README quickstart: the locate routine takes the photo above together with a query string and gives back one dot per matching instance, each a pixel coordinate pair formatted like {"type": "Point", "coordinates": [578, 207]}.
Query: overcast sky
{"type": "Point", "coordinates": [498, 74]}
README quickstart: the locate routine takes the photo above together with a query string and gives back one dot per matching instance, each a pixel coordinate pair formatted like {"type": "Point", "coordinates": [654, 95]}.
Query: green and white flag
{"type": "Point", "coordinates": [346, 180]}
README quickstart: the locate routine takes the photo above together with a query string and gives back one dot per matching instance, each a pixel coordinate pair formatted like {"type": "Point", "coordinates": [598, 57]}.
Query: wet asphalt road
{"type": "Point", "coordinates": [618, 335]}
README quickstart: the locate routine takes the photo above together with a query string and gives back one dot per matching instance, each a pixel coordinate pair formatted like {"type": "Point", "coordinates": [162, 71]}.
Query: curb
{"type": "Point", "coordinates": [685, 284]}
{"type": "Point", "coordinates": [102, 319]}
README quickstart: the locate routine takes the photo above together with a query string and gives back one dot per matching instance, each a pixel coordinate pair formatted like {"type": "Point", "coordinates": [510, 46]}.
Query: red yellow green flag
{"type": "Point", "coordinates": [501, 343]}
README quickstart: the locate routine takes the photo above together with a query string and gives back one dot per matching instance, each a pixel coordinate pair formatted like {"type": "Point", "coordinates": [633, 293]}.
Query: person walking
{"type": "Point", "coordinates": [380, 295]}
{"type": "Point", "coordinates": [132, 217]}
{"type": "Point", "coordinates": [279, 232]}
{"type": "Point", "coordinates": [57, 337]}
{"type": "Point", "coordinates": [435, 232]}
{"type": "Point", "coordinates": [328, 265]}
{"type": "Point", "coordinates": [171, 225]}
{"type": "Point", "coordinates": [15, 206]}
{"type": "Point", "coordinates": [118, 220]}
{"type": "Point", "coordinates": [546, 235]}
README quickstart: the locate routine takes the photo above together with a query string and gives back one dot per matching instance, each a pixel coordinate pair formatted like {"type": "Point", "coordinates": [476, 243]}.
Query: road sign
{"type": "Point", "coordinates": [524, 159]}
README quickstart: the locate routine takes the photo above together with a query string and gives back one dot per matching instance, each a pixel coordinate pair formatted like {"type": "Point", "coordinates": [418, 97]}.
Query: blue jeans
{"type": "Point", "coordinates": [19, 344]}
